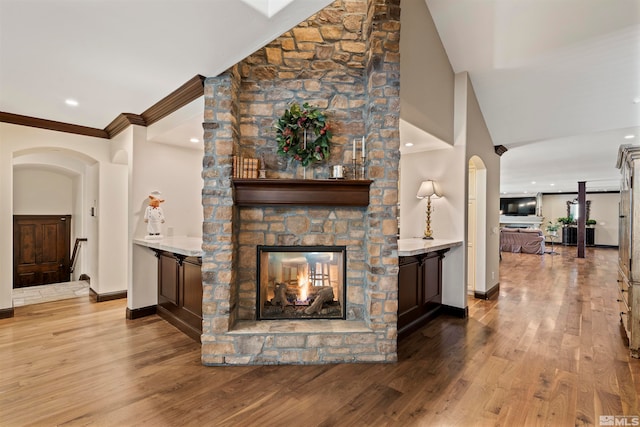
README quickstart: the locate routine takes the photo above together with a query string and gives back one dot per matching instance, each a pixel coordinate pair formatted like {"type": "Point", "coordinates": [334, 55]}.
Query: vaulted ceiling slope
{"type": "Point", "coordinates": [558, 82]}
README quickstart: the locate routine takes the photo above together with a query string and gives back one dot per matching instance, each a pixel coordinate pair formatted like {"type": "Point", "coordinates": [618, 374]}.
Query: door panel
{"type": "Point", "coordinates": [41, 246]}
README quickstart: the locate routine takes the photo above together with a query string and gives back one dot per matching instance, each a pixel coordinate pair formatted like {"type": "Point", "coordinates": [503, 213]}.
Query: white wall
{"type": "Point", "coordinates": [92, 198]}
{"type": "Point", "coordinates": [42, 192]}
{"type": "Point", "coordinates": [478, 143]}
{"type": "Point", "coordinates": [112, 217]}
{"type": "Point", "coordinates": [6, 222]}
{"type": "Point", "coordinates": [427, 88]}
{"type": "Point", "coordinates": [177, 173]}
{"type": "Point", "coordinates": [604, 209]}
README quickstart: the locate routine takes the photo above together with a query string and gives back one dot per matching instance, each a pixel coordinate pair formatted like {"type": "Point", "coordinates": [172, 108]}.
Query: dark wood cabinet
{"type": "Point", "coordinates": [419, 290]}
{"type": "Point", "coordinates": [570, 236]}
{"type": "Point", "coordinates": [180, 292]}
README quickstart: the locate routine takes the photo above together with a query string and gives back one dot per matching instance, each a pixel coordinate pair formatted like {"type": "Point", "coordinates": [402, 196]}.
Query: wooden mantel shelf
{"type": "Point", "coordinates": [300, 192]}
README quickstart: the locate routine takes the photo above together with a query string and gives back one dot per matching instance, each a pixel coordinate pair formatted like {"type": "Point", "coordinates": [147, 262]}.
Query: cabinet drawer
{"type": "Point", "coordinates": [623, 292]}
{"type": "Point", "coordinates": [623, 307]}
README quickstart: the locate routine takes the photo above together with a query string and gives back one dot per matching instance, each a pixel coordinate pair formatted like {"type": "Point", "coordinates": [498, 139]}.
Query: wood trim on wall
{"type": "Point", "coordinates": [6, 313]}
{"type": "Point", "coordinates": [34, 122]}
{"type": "Point", "coordinates": [136, 313]}
{"type": "Point", "coordinates": [488, 294]}
{"type": "Point", "coordinates": [191, 90]}
{"type": "Point", "coordinates": [462, 313]}
{"type": "Point", "coordinates": [123, 121]}
{"type": "Point", "coordinates": [109, 296]}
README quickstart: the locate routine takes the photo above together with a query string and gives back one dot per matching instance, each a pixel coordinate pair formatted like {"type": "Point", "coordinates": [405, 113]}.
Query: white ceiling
{"type": "Point", "coordinates": [556, 79]}
{"type": "Point", "coordinates": [115, 56]}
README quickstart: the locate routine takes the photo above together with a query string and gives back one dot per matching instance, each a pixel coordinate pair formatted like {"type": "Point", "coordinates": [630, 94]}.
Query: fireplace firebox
{"type": "Point", "coordinates": [301, 282]}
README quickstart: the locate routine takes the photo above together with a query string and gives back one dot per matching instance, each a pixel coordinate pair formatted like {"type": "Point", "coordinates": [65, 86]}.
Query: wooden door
{"type": "Point", "coordinates": [41, 246]}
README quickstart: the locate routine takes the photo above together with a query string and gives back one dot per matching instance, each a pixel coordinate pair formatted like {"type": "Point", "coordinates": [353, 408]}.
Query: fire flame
{"type": "Point", "coordinates": [303, 284]}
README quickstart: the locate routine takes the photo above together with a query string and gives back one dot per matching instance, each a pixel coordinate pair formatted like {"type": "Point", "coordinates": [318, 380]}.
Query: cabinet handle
{"type": "Point", "coordinates": [618, 300]}
{"type": "Point", "coordinates": [624, 290]}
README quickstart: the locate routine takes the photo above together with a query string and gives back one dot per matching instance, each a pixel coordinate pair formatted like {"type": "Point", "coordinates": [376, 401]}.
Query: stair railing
{"type": "Point", "coordinates": [75, 252]}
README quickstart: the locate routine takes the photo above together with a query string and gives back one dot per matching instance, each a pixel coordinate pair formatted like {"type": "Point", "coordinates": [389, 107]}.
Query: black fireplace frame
{"type": "Point", "coordinates": [333, 249]}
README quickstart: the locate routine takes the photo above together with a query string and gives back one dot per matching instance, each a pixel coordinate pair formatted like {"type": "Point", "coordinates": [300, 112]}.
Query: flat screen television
{"type": "Point", "coordinates": [518, 206]}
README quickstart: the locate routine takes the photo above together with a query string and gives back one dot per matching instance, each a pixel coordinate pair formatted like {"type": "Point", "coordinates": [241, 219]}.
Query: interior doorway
{"type": "Point", "coordinates": [476, 226]}
{"type": "Point", "coordinates": [41, 246]}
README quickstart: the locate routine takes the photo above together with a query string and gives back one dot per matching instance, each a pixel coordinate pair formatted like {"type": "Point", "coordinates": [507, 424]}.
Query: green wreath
{"type": "Point", "coordinates": [290, 134]}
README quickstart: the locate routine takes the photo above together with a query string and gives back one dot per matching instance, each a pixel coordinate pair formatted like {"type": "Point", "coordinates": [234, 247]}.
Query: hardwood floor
{"type": "Point", "coordinates": [548, 351]}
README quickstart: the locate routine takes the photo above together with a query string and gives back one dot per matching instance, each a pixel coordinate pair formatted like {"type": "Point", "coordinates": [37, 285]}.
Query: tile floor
{"type": "Point", "coordinates": [52, 292]}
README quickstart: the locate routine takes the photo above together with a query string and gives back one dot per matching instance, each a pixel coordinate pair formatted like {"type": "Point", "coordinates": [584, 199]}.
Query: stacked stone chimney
{"type": "Point", "coordinates": [345, 61]}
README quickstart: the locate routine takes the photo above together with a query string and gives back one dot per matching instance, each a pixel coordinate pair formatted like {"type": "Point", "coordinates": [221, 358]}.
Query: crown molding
{"type": "Point", "coordinates": [189, 91]}
{"type": "Point", "coordinates": [123, 121]}
{"type": "Point", "coordinates": [35, 122]}
{"type": "Point", "coordinates": [500, 149]}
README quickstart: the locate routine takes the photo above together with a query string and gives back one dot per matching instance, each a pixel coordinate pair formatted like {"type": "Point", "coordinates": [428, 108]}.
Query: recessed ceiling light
{"type": "Point", "coordinates": [533, 182]}
{"type": "Point", "coordinates": [194, 140]}
{"type": "Point", "coordinates": [409, 144]}
{"type": "Point", "coordinates": [629, 136]}
{"type": "Point", "coordinates": [552, 184]}
{"type": "Point", "coordinates": [71, 102]}
{"type": "Point", "coordinates": [636, 100]}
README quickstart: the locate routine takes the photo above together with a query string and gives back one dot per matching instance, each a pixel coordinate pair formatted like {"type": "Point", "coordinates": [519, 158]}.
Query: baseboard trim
{"type": "Point", "coordinates": [488, 294]}
{"type": "Point", "coordinates": [188, 330]}
{"type": "Point", "coordinates": [418, 323]}
{"type": "Point", "coordinates": [462, 313]}
{"type": "Point", "coordinates": [6, 313]}
{"type": "Point", "coordinates": [109, 296]}
{"type": "Point", "coordinates": [136, 313]}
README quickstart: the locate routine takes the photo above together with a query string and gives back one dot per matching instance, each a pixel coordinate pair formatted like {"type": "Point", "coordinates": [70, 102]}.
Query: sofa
{"type": "Point", "coordinates": [528, 241]}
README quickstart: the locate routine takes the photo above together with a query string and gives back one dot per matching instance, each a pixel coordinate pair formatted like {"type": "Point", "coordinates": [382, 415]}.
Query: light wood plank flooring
{"type": "Point", "coordinates": [548, 352]}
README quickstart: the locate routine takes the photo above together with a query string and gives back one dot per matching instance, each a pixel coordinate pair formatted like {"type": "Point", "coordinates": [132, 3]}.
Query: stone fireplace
{"type": "Point", "coordinates": [345, 60]}
{"type": "Point", "coordinates": [301, 282]}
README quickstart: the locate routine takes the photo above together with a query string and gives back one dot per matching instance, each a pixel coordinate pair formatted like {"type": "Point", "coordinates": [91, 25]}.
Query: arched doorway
{"type": "Point", "coordinates": [52, 185]}
{"type": "Point", "coordinates": [477, 226]}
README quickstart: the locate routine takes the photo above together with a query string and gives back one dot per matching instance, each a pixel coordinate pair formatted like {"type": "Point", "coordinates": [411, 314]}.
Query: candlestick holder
{"type": "Point", "coordinates": [355, 168]}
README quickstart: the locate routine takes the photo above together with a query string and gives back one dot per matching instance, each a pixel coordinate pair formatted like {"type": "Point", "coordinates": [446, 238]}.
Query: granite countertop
{"type": "Point", "coordinates": [182, 245]}
{"type": "Point", "coordinates": [410, 247]}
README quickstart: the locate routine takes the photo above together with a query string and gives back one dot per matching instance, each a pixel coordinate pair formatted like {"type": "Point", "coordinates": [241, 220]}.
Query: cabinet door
{"type": "Point", "coordinates": [192, 288]}
{"type": "Point", "coordinates": [409, 293]}
{"type": "Point", "coordinates": [168, 279]}
{"type": "Point", "coordinates": [431, 269]}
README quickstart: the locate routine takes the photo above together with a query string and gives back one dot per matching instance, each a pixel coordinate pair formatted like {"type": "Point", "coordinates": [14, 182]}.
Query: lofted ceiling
{"type": "Point", "coordinates": [558, 81]}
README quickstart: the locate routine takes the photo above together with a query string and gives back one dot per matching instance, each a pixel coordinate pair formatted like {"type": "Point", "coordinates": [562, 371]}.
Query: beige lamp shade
{"type": "Point", "coordinates": [428, 189]}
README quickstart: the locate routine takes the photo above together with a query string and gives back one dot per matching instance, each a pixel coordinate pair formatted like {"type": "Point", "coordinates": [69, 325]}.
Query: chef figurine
{"type": "Point", "coordinates": [154, 216]}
